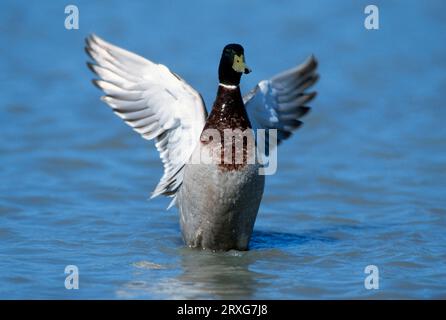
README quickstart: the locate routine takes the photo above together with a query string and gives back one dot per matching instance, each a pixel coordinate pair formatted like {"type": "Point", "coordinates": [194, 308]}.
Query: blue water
{"type": "Point", "coordinates": [362, 183]}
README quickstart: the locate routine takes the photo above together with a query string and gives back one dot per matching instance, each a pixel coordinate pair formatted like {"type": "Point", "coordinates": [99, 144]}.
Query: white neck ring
{"type": "Point", "coordinates": [228, 86]}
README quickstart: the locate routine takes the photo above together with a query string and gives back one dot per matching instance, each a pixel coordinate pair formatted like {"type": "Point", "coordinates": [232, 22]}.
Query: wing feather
{"type": "Point", "coordinates": [155, 102]}
{"type": "Point", "coordinates": [280, 102]}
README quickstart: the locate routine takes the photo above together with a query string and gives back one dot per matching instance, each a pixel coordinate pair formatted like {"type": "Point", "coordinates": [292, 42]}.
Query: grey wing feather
{"type": "Point", "coordinates": [280, 102]}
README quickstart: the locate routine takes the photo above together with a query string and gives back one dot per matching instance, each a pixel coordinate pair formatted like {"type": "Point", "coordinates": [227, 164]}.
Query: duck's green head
{"type": "Point", "coordinates": [232, 65]}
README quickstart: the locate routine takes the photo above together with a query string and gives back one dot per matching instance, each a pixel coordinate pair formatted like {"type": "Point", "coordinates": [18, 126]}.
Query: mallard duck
{"type": "Point", "coordinates": [217, 201]}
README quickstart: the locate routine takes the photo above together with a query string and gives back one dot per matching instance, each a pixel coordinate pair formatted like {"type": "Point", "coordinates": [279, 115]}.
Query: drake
{"type": "Point", "coordinates": [218, 196]}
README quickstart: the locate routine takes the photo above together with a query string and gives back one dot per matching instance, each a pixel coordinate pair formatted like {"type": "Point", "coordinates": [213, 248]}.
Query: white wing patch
{"type": "Point", "coordinates": [155, 102]}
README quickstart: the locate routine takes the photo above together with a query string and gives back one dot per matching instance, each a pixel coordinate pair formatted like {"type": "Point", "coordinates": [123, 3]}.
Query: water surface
{"type": "Point", "coordinates": [363, 182]}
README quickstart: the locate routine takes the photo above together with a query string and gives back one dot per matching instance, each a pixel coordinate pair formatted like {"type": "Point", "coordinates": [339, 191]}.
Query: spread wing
{"type": "Point", "coordinates": [280, 102]}
{"type": "Point", "coordinates": [155, 102]}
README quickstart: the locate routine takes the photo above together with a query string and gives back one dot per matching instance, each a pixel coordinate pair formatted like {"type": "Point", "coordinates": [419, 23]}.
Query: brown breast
{"type": "Point", "coordinates": [229, 119]}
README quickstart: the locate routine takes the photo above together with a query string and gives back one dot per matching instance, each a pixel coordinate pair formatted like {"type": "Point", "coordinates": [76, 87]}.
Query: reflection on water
{"type": "Point", "coordinates": [206, 275]}
{"type": "Point", "coordinates": [218, 275]}
{"type": "Point", "coordinates": [221, 275]}
{"type": "Point", "coordinates": [361, 183]}
{"type": "Point", "coordinates": [203, 275]}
